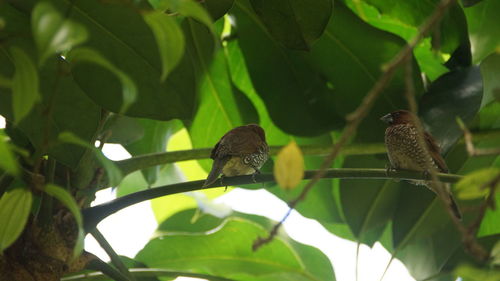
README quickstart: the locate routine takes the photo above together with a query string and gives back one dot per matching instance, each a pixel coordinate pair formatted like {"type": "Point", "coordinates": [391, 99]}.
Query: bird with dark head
{"type": "Point", "coordinates": [406, 151]}
{"type": "Point", "coordinates": [241, 151]}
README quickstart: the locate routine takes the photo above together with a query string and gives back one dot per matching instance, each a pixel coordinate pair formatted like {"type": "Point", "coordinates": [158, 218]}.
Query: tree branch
{"type": "Point", "coordinates": [93, 215]}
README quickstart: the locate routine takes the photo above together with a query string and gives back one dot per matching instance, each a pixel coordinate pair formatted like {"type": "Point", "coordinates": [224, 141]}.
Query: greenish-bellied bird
{"type": "Point", "coordinates": [241, 151]}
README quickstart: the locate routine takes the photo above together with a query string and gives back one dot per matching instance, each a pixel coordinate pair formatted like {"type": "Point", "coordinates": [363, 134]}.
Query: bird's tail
{"type": "Point", "coordinates": [453, 203]}
{"type": "Point", "coordinates": [215, 172]}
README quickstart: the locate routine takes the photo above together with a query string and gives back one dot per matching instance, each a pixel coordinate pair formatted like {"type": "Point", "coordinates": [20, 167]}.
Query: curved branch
{"type": "Point", "coordinates": [93, 215]}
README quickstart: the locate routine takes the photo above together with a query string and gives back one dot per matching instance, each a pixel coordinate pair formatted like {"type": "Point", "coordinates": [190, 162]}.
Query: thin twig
{"type": "Point", "coordinates": [440, 188]}
{"type": "Point", "coordinates": [355, 118]}
{"type": "Point", "coordinates": [469, 145]}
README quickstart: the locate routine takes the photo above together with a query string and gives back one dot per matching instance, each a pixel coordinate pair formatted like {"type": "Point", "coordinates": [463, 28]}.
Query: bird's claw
{"type": "Point", "coordinates": [222, 182]}
{"type": "Point", "coordinates": [253, 177]}
{"type": "Point", "coordinates": [388, 170]}
{"type": "Point", "coordinates": [426, 174]}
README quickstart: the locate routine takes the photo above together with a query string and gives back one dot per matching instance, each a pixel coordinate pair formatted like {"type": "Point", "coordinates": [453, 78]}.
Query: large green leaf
{"type": "Point", "coordinates": [351, 66]}
{"type": "Point", "coordinates": [297, 98]}
{"type": "Point", "coordinates": [424, 238]}
{"type": "Point", "coordinates": [368, 205]}
{"type": "Point", "coordinates": [155, 138]}
{"type": "Point", "coordinates": [217, 8]}
{"type": "Point", "coordinates": [121, 35]}
{"type": "Point", "coordinates": [325, 84]}
{"type": "Point", "coordinates": [169, 38]}
{"type": "Point", "coordinates": [87, 55]}
{"type": "Point", "coordinates": [430, 63]}
{"type": "Point", "coordinates": [220, 252]}
{"type": "Point", "coordinates": [52, 33]}
{"type": "Point", "coordinates": [452, 32]}
{"type": "Point", "coordinates": [490, 71]}
{"type": "Point", "coordinates": [321, 202]}
{"type": "Point", "coordinates": [455, 94]}
{"type": "Point", "coordinates": [297, 24]}
{"type": "Point", "coordinates": [25, 85]}
{"type": "Point", "coordinates": [221, 107]}
{"type": "Point", "coordinates": [483, 24]}
{"type": "Point", "coordinates": [15, 207]}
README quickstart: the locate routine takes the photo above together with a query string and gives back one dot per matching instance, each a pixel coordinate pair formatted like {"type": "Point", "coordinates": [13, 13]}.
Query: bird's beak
{"type": "Point", "coordinates": [387, 118]}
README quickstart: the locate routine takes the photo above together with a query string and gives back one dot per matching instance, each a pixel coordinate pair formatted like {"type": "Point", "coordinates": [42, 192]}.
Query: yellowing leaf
{"type": "Point", "coordinates": [289, 166]}
{"type": "Point", "coordinates": [472, 186]}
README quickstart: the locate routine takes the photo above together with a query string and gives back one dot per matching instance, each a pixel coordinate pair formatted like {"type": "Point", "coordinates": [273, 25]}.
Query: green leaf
{"type": "Point", "coordinates": [8, 161]}
{"type": "Point", "coordinates": [169, 38]}
{"type": "Point", "coordinates": [455, 94]}
{"type": "Point", "coordinates": [325, 84]}
{"type": "Point", "coordinates": [219, 110]}
{"type": "Point", "coordinates": [294, 87]}
{"type": "Point", "coordinates": [294, 23]}
{"type": "Point", "coordinates": [368, 205]}
{"type": "Point", "coordinates": [429, 61]}
{"type": "Point", "coordinates": [114, 173]}
{"type": "Point", "coordinates": [5, 82]}
{"type": "Point", "coordinates": [321, 203]}
{"type": "Point", "coordinates": [70, 110]}
{"type": "Point", "coordinates": [54, 34]}
{"type": "Point", "coordinates": [483, 22]}
{"type": "Point", "coordinates": [222, 253]}
{"type": "Point", "coordinates": [25, 87]}
{"type": "Point", "coordinates": [490, 71]}
{"type": "Point", "coordinates": [121, 129]}
{"type": "Point", "coordinates": [15, 207]}
{"type": "Point", "coordinates": [426, 239]}
{"type": "Point", "coordinates": [129, 90]}
{"type": "Point", "coordinates": [189, 8]}
{"type": "Point", "coordinates": [131, 183]}
{"type": "Point", "coordinates": [191, 221]}
{"type": "Point", "coordinates": [489, 224]}
{"type": "Point", "coordinates": [452, 31]}
{"type": "Point", "coordinates": [473, 185]}
{"type": "Point", "coordinates": [64, 197]}
{"type": "Point", "coordinates": [217, 8]}
{"type": "Point", "coordinates": [134, 51]}
{"type": "Point", "coordinates": [156, 136]}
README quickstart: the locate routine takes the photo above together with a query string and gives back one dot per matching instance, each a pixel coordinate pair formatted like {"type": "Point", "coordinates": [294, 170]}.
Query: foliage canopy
{"type": "Point", "coordinates": [137, 72]}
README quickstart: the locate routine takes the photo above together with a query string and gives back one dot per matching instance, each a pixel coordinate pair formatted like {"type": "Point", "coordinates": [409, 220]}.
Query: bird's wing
{"type": "Point", "coordinates": [435, 152]}
{"type": "Point", "coordinates": [245, 142]}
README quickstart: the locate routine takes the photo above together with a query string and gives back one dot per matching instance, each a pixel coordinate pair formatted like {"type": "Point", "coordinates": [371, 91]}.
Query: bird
{"type": "Point", "coordinates": [407, 152]}
{"type": "Point", "coordinates": [241, 151]}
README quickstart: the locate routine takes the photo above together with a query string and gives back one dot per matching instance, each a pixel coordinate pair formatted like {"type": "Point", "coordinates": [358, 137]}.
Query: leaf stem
{"type": "Point", "coordinates": [140, 162]}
